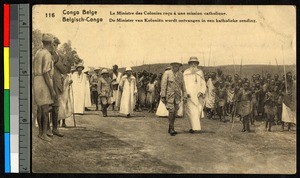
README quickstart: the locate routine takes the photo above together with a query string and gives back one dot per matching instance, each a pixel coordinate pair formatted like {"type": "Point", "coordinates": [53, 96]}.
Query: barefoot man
{"type": "Point", "coordinates": [43, 90]}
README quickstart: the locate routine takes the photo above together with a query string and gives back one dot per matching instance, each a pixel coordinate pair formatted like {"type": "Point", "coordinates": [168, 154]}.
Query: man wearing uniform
{"type": "Point", "coordinates": [244, 101]}
{"type": "Point", "coordinates": [43, 84]}
{"type": "Point", "coordinates": [172, 89]}
{"type": "Point", "coordinates": [105, 91]}
{"type": "Point", "coordinates": [94, 87]}
{"type": "Point", "coordinates": [58, 79]}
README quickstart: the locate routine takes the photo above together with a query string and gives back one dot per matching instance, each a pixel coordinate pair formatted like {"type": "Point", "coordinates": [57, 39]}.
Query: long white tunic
{"type": "Point", "coordinates": [193, 108]}
{"type": "Point", "coordinates": [81, 92]}
{"type": "Point", "coordinates": [66, 102]}
{"type": "Point", "coordinates": [115, 96]}
{"type": "Point", "coordinates": [128, 94]}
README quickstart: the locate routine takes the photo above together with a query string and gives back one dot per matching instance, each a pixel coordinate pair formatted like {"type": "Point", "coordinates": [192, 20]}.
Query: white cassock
{"type": "Point", "coordinates": [66, 103]}
{"type": "Point", "coordinates": [128, 94]}
{"type": "Point", "coordinates": [162, 111]}
{"type": "Point", "coordinates": [115, 96]}
{"type": "Point", "coordinates": [193, 108]}
{"type": "Point", "coordinates": [81, 92]}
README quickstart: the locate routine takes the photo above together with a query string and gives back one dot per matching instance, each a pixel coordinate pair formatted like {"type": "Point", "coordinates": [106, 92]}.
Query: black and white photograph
{"type": "Point", "coordinates": [176, 89]}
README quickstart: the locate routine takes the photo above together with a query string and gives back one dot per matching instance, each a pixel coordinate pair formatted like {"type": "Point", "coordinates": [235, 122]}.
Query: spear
{"type": "Point", "coordinates": [203, 58]}
{"type": "Point", "coordinates": [241, 67]}
{"type": "Point", "coordinates": [277, 65]}
{"type": "Point", "coordinates": [234, 65]}
{"type": "Point", "coordinates": [284, 70]}
{"type": "Point", "coordinates": [209, 55]}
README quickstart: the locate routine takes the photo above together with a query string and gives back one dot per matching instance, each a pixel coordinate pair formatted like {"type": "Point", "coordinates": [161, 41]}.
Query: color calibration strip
{"type": "Point", "coordinates": [16, 88]}
{"type": "Point", "coordinates": [6, 26]}
{"type": "Point", "coordinates": [24, 86]}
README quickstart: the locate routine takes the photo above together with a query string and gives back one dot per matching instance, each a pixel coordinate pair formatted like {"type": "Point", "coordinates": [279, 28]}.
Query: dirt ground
{"type": "Point", "coordinates": [141, 144]}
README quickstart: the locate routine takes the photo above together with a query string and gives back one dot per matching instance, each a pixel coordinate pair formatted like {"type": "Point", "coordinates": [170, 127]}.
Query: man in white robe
{"type": "Point", "coordinates": [128, 91]}
{"type": "Point", "coordinates": [116, 78]}
{"type": "Point", "coordinates": [81, 90]}
{"type": "Point", "coordinates": [195, 87]}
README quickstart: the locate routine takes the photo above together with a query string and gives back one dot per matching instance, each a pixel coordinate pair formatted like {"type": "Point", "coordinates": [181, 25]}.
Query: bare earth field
{"type": "Point", "coordinates": [141, 144]}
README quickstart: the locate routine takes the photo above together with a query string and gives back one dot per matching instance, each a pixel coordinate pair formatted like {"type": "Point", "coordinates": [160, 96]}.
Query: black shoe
{"type": "Point", "coordinates": [191, 131]}
{"type": "Point", "coordinates": [64, 125]}
{"type": "Point", "coordinates": [128, 116]}
{"type": "Point", "coordinates": [49, 133]}
{"type": "Point", "coordinates": [244, 130]}
{"type": "Point", "coordinates": [57, 133]}
{"type": "Point", "coordinates": [173, 132]}
{"type": "Point", "coordinates": [87, 109]}
{"type": "Point", "coordinates": [104, 114]}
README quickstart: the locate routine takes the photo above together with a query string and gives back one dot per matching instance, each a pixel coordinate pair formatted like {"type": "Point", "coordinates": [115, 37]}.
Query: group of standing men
{"type": "Point", "coordinates": [51, 87]}
{"type": "Point", "coordinates": [63, 90]}
{"type": "Point", "coordinates": [260, 97]}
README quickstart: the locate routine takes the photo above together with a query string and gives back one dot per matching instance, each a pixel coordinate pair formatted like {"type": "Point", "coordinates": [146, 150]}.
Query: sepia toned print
{"type": "Point", "coordinates": [164, 89]}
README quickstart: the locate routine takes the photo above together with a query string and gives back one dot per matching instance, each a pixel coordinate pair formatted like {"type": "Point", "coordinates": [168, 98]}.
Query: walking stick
{"type": "Point", "coordinates": [74, 120]}
{"type": "Point", "coordinates": [73, 107]}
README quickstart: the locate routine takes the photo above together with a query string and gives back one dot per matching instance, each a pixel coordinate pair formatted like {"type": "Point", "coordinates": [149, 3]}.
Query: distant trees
{"type": "Point", "coordinates": [68, 54]}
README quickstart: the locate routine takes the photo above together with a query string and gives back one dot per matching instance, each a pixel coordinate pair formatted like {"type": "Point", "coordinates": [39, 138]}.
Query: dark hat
{"type": "Point", "coordinates": [56, 40]}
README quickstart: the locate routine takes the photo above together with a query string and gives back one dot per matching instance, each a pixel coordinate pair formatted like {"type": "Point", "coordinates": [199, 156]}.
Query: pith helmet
{"type": "Point", "coordinates": [193, 59]}
{"type": "Point", "coordinates": [128, 69]}
{"type": "Point", "coordinates": [104, 71]}
{"type": "Point", "coordinates": [175, 63]}
{"type": "Point", "coordinates": [47, 37]}
{"type": "Point", "coordinates": [80, 65]}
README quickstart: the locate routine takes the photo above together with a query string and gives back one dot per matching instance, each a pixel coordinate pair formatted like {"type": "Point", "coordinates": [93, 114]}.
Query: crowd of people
{"type": "Point", "coordinates": [64, 90]}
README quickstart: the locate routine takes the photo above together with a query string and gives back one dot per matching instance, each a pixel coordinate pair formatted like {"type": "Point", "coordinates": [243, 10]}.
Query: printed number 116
{"type": "Point", "coordinates": [50, 15]}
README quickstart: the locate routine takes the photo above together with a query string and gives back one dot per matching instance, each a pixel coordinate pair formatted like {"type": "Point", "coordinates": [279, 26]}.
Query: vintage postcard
{"type": "Point", "coordinates": [164, 89]}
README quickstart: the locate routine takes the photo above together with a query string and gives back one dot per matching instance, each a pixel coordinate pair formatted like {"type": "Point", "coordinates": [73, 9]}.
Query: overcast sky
{"type": "Point", "coordinates": [127, 44]}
